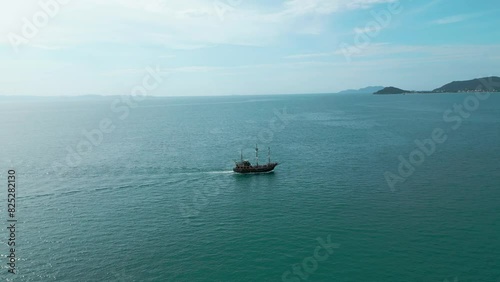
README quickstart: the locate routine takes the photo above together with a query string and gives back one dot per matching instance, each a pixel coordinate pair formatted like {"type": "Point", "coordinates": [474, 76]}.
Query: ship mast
{"type": "Point", "coordinates": [256, 154]}
{"type": "Point", "coordinates": [241, 155]}
{"type": "Point", "coordinates": [269, 155]}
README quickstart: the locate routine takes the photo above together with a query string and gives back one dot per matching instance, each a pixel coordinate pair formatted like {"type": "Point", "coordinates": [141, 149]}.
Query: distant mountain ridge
{"type": "Point", "coordinates": [491, 83]}
{"type": "Point", "coordinates": [366, 90]}
{"type": "Point", "coordinates": [485, 84]}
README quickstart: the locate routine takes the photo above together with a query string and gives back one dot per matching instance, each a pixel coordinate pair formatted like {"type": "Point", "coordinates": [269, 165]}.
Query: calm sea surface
{"type": "Point", "coordinates": [144, 192]}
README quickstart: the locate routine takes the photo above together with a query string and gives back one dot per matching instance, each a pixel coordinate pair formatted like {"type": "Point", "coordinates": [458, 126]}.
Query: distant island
{"type": "Point", "coordinates": [485, 84]}
{"type": "Point", "coordinates": [392, 90]}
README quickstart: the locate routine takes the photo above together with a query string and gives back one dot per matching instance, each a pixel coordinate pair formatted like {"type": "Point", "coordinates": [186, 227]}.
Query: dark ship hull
{"type": "Point", "coordinates": [255, 169]}
{"type": "Point", "coordinates": [244, 166]}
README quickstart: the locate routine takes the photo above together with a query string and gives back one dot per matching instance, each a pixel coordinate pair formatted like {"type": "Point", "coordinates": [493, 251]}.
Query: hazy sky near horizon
{"type": "Point", "coordinates": [233, 47]}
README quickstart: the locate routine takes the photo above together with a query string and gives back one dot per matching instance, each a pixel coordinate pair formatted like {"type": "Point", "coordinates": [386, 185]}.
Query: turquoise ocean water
{"type": "Point", "coordinates": [150, 195]}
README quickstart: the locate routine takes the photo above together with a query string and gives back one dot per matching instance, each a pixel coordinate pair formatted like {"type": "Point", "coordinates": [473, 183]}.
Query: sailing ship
{"type": "Point", "coordinates": [244, 166]}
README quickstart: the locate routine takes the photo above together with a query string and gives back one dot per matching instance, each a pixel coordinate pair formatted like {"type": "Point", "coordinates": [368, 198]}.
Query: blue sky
{"type": "Point", "coordinates": [235, 47]}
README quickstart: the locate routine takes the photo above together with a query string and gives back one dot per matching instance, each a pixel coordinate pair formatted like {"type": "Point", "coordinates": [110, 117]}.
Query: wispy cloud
{"type": "Point", "coordinates": [169, 56]}
{"type": "Point", "coordinates": [47, 47]}
{"type": "Point", "coordinates": [418, 52]}
{"type": "Point", "coordinates": [309, 55]}
{"type": "Point", "coordinates": [454, 19]}
{"type": "Point", "coordinates": [425, 7]}
{"type": "Point", "coordinates": [328, 6]}
{"type": "Point", "coordinates": [384, 50]}
{"type": "Point", "coordinates": [368, 29]}
{"type": "Point", "coordinates": [376, 53]}
{"type": "Point", "coordinates": [177, 23]}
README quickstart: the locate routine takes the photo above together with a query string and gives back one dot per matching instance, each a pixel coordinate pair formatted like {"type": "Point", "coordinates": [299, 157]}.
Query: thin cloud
{"type": "Point", "coordinates": [425, 7]}
{"type": "Point", "coordinates": [326, 7]}
{"type": "Point", "coordinates": [310, 55]}
{"type": "Point", "coordinates": [454, 19]}
{"type": "Point", "coordinates": [47, 47]}
{"type": "Point", "coordinates": [167, 56]}
{"type": "Point", "coordinates": [385, 50]}
{"type": "Point", "coordinates": [180, 24]}
{"type": "Point", "coordinates": [368, 29]}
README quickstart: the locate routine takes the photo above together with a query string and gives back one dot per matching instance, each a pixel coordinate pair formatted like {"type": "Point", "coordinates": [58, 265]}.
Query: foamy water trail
{"type": "Point", "coordinates": [220, 172]}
